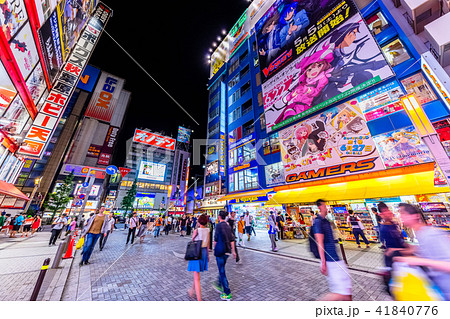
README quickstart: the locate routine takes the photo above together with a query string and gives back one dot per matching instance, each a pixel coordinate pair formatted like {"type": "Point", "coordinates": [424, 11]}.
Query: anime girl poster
{"type": "Point", "coordinates": [24, 50]}
{"type": "Point", "coordinates": [402, 148]}
{"type": "Point", "coordinates": [338, 135]}
{"type": "Point", "coordinates": [346, 62]}
{"type": "Point", "coordinates": [13, 15]}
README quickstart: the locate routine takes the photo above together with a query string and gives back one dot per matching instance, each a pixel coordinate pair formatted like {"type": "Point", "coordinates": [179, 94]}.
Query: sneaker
{"type": "Point", "coordinates": [276, 249]}
{"type": "Point", "coordinates": [225, 296]}
{"type": "Point", "coordinates": [217, 288]}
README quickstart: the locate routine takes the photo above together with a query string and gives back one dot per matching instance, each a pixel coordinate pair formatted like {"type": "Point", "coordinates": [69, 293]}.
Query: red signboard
{"type": "Point", "coordinates": [154, 139]}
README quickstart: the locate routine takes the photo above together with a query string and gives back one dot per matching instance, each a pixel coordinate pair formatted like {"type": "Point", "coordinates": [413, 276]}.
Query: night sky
{"type": "Point", "coordinates": [170, 40]}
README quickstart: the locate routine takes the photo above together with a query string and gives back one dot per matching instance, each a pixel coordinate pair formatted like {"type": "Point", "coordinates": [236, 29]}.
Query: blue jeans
{"type": "Point", "coordinates": [359, 232]}
{"type": "Point", "coordinates": [157, 230]}
{"type": "Point", "coordinates": [89, 243]}
{"type": "Point", "coordinates": [223, 281]}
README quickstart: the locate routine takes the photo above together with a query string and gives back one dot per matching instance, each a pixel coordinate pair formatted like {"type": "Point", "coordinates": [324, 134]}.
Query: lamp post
{"type": "Point", "coordinates": [37, 182]}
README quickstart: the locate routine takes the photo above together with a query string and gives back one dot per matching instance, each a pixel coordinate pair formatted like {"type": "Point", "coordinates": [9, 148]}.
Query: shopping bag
{"type": "Point", "coordinates": [413, 284]}
{"type": "Point", "coordinates": [80, 243]}
{"type": "Point", "coordinates": [193, 250]}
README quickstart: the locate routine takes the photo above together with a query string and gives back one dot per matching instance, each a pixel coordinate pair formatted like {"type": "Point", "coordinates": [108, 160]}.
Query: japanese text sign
{"type": "Point", "coordinates": [148, 138]}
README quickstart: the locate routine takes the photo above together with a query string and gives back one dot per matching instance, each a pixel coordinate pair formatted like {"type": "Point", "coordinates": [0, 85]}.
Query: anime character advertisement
{"type": "Point", "coordinates": [13, 15]}
{"type": "Point", "coordinates": [333, 143]}
{"type": "Point", "coordinates": [290, 27]}
{"type": "Point", "coordinates": [346, 62]}
{"type": "Point", "coordinates": [402, 148]}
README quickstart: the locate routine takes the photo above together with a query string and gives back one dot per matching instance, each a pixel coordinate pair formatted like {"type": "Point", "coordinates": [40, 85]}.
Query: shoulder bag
{"type": "Point", "coordinates": [193, 250]}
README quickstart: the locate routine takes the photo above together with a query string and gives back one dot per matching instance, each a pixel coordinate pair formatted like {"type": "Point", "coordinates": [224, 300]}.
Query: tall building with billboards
{"type": "Point", "coordinates": [42, 60]}
{"type": "Point", "coordinates": [300, 96]}
{"type": "Point", "coordinates": [150, 156]}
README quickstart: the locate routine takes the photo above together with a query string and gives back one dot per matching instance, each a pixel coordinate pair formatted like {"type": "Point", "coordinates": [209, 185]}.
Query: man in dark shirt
{"type": "Point", "coordinates": [339, 281]}
{"type": "Point", "coordinates": [224, 245]}
{"type": "Point", "coordinates": [183, 226]}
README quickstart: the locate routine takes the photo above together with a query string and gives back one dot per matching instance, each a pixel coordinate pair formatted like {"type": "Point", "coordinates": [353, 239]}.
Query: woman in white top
{"type": "Point", "coordinates": [198, 266]}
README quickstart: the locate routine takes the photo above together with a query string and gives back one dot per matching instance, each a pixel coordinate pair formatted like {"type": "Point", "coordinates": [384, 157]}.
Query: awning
{"type": "Point", "coordinates": [261, 192]}
{"type": "Point", "coordinates": [390, 186]}
{"type": "Point", "coordinates": [11, 190]}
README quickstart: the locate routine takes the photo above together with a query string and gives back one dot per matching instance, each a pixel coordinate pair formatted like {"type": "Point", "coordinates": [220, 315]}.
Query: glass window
{"type": "Point", "coordinates": [244, 71]}
{"type": "Point", "coordinates": [418, 85]}
{"type": "Point", "coordinates": [243, 56]}
{"type": "Point", "coordinates": [377, 22]}
{"type": "Point", "coordinates": [7, 90]}
{"type": "Point", "coordinates": [247, 107]}
{"type": "Point", "coordinates": [274, 143]}
{"type": "Point", "coordinates": [248, 128]}
{"type": "Point", "coordinates": [249, 152]}
{"type": "Point", "coordinates": [234, 81]}
{"type": "Point", "coordinates": [15, 117]}
{"type": "Point", "coordinates": [36, 83]}
{"type": "Point", "coordinates": [231, 183]}
{"type": "Point", "coordinates": [234, 65]}
{"type": "Point", "coordinates": [260, 99]}
{"type": "Point", "coordinates": [262, 121]}
{"type": "Point", "coordinates": [241, 181]}
{"type": "Point", "coordinates": [395, 52]}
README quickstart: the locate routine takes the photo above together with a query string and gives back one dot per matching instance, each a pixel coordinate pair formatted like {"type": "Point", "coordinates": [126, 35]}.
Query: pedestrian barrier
{"type": "Point", "coordinates": [40, 280]}
{"type": "Point", "coordinates": [59, 253]}
{"type": "Point", "coordinates": [344, 257]}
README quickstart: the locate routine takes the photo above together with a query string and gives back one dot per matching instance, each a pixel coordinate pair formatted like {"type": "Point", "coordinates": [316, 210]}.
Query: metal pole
{"type": "Point", "coordinates": [40, 280]}
{"type": "Point", "coordinates": [88, 191]}
{"type": "Point", "coordinates": [36, 186]}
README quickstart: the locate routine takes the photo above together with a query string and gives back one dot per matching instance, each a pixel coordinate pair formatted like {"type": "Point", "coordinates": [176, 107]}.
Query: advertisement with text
{"type": "Point", "coordinates": [346, 62]}
{"type": "Point", "coordinates": [333, 143]}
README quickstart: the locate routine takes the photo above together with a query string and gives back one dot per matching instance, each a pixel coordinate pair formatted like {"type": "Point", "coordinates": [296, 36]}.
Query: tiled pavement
{"type": "Point", "coordinates": [156, 270]}
{"type": "Point", "coordinates": [20, 263]}
{"type": "Point", "coordinates": [364, 259]}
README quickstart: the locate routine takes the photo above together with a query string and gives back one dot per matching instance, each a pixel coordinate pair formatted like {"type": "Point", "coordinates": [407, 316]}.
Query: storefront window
{"type": "Point", "coordinates": [233, 158]}
{"type": "Point", "coordinates": [395, 52]}
{"type": "Point", "coordinates": [418, 85]}
{"type": "Point", "coordinates": [249, 152]}
{"type": "Point", "coordinates": [15, 117]}
{"type": "Point", "coordinates": [231, 183]}
{"type": "Point", "coordinates": [377, 23]}
{"type": "Point", "coordinates": [241, 180]}
{"type": "Point", "coordinates": [36, 83]}
{"type": "Point", "coordinates": [274, 173]}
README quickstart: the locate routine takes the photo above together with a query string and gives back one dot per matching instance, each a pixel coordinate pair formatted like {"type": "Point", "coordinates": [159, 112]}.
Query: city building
{"type": "Point", "coordinates": [150, 158]}
{"type": "Point", "coordinates": [41, 61]}
{"type": "Point", "coordinates": [298, 114]}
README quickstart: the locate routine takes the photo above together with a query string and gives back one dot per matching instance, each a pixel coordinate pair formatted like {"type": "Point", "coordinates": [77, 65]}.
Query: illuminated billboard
{"type": "Point", "coordinates": [153, 139]}
{"type": "Point", "coordinates": [152, 171]}
{"type": "Point", "coordinates": [144, 200]}
{"type": "Point", "coordinates": [333, 143]}
{"type": "Point", "coordinates": [94, 190]}
{"type": "Point", "coordinates": [184, 135]}
{"type": "Point", "coordinates": [344, 63]}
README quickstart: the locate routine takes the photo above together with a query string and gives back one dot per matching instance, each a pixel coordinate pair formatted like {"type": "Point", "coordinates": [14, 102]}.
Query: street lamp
{"type": "Point", "coordinates": [37, 182]}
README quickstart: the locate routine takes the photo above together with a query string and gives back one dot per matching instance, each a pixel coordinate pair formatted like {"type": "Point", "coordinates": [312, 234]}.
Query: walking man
{"type": "Point", "coordinates": [272, 231]}
{"type": "Point", "coordinates": [132, 224]}
{"type": "Point", "coordinates": [158, 224]}
{"type": "Point", "coordinates": [96, 226]}
{"type": "Point", "coordinates": [339, 281]}
{"type": "Point", "coordinates": [58, 225]}
{"type": "Point", "coordinates": [183, 226]}
{"type": "Point", "coordinates": [248, 225]}
{"type": "Point", "coordinates": [224, 245]}
{"type": "Point", "coordinates": [280, 224]}
{"type": "Point", "coordinates": [357, 227]}
{"type": "Point", "coordinates": [109, 229]}
{"type": "Point", "coordinates": [241, 230]}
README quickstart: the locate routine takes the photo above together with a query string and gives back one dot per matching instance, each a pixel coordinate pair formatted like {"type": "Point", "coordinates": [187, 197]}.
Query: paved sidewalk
{"type": "Point", "coordinates": [21, 260]}
{"type": "Point", "coordinates": [156, 270]}
{"type": "Point", "coordinates": [364, 259]}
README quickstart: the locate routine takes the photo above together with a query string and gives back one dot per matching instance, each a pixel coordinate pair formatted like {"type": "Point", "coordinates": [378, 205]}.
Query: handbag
{"type": "Point", "coordinates": [193, 250]}
{"type": "Point", "coordinates": [80, 243]}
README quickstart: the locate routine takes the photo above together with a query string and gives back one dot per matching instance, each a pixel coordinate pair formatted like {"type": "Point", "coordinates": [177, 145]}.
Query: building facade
{"type": "Point", "coordinates": [286, 127]}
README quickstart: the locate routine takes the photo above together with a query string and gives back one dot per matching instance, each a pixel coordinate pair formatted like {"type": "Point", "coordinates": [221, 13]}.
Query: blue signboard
{"type": "Point", "coordinates": [89, 78]}
{"type": "Point", "coordinates": [111, 170]}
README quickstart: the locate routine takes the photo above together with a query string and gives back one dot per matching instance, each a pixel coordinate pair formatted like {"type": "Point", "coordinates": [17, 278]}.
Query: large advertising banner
{"type": "Point", "coordinates": [72, 16]}
{"type": "Point", "coordinates": [25, 51]}
{"type": "Point", "coordinates": [152, 171]}
{"type": "Point", "coordinates": [239, 33]}
{"type": "Point", "coordinates": [105, 97]}
{"type": "Point", "coordinates": [331, 144]}
{"type": "Point", "coordinates": [257, 9]}
{"type": "Point", "coordinates": [402, 148]}
{"type": "Point", "coordinates": [184, 135]}
{"type": "Point", "coordinates": [50, 39]}
{"type": "Point", "coordinates": [346, 62]}
{"type": "Point", "coordinates": [290, 27]}
{"type": "Point", "coordinates": [7, 89]}
{"type": "Point", "coordinates": [47, 119]}
{"type": "Point", "coordinates": [13, 15]}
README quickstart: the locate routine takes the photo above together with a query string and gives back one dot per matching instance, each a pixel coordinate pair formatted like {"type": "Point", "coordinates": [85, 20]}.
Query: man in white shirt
{"type": "Point", "coordinates": [248, 225]}
{"type": "Point", "coordinates": [58, 225]}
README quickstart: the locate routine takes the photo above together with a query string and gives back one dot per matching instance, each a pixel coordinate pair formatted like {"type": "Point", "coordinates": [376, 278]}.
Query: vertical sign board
{"type": "Point", "coordinates": [437, 76]}
{"type": "Point", "coordinates": [223, 117]}
{"type": "Point", "coordinates": [46, 121]}
{"type": "Point", "coordinates": [108, 146]}
{"type": "Point", "coordinates": [105, 97]}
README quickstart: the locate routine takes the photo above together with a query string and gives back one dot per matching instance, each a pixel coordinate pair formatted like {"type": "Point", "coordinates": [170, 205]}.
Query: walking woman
{"type": "Point", "coordinates": [36, 224]}
{"type": "Point", "coordinates": [142, 226]}
{"type": "Point", "coordinates": [201, 265]}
